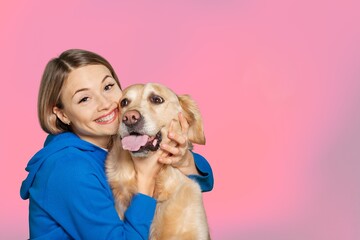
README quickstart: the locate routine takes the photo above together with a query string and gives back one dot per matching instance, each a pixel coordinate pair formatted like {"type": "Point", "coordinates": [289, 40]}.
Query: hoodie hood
{"type": "Point", "coordinates": [53, 144]}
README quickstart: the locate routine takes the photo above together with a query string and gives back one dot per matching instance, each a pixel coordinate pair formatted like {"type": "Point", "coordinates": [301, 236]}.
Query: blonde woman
{"type": "Point", "coordinates": [69, 196]}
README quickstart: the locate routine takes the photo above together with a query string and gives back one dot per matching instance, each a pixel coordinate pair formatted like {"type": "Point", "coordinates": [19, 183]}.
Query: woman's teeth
{"type": "Point", "coordinates": [106, 118]}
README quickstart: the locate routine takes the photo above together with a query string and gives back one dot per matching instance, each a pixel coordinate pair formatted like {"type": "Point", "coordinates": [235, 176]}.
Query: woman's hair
{"type": "Point", "coordinates": [56, 72]}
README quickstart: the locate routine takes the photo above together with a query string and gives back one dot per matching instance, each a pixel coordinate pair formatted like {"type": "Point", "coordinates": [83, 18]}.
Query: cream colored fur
{"type": "Point", "coordinates": [180, 213]}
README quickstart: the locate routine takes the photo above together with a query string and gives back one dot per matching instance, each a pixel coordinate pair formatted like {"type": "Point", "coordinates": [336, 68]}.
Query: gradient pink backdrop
{"type": "Point", "coordinates": [278, 83]}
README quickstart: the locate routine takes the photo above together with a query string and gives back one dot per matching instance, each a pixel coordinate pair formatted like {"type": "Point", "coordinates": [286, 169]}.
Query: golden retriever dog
{"type": "Point", "coordinates": [147, 111]}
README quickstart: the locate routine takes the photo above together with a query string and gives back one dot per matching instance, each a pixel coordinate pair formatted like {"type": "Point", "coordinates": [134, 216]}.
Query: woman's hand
{"type": "Point", "coordinates": [146, 173]}
{"type": "Point", "coordinates": [177, 153]}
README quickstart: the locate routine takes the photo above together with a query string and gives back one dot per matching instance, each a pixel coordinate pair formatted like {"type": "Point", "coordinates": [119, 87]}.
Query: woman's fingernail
{"type": "Point", "coordinates": [171, 134]}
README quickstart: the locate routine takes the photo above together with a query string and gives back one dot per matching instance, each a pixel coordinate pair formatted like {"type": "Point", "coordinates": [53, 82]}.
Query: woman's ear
{"type": "Point", "coordinates": [61, 115]}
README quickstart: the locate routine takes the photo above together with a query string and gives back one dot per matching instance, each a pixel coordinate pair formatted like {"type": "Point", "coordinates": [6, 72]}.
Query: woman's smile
{"type": "Point", "coordinates": [108, 118]}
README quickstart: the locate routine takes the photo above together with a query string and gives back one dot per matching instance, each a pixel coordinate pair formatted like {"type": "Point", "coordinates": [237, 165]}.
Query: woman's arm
{"type": "Point", "coordinates": [80, 200]}
{"type": "Point", "coordinates": [204, 175]}
{"type": "Point", "coordinates": [189, 163]}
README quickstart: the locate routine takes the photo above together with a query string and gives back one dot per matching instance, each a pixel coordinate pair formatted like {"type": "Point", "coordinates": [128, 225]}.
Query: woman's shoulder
{"type": "Point", "coordinates": [71, 168]}
{"type": "Point", "coordinates": [69, 147]}
{"type": "Point", "coordinates": [66, 154]}
{"type": "Point", "coordinates": [70, 173]}
{"type": "Point", "coordinates": [72, 159]}
{"type": "Point", "coordinates": [61, 162]}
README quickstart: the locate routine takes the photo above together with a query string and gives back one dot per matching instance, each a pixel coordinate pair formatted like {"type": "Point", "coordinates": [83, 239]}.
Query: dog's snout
{"type": "Point", "coordinates": [131, 117]}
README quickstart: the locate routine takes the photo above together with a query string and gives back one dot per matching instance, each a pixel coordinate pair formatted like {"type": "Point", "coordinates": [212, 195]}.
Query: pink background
{"type": "Point", "coordinates": [278, 84]}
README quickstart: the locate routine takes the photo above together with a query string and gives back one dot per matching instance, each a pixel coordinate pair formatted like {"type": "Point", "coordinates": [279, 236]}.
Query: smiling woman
{"type": "Point", "coordinates": [89, 104]}
{"type": "Point", "coordinates": [64, 75]}
{"type": "Point", "coordinates": [70, 197]}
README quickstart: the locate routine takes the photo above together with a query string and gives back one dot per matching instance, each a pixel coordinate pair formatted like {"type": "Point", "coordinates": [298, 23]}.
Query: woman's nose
{"type": "Point", "coordinates": [104, 102]}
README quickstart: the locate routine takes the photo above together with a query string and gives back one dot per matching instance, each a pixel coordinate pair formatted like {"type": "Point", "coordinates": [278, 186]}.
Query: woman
{"type": "Point", "coordinates": [69, 194]}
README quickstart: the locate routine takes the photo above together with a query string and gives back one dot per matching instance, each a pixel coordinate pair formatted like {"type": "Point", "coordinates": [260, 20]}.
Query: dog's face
{"type": "Point", "coordinates": [147, 111]}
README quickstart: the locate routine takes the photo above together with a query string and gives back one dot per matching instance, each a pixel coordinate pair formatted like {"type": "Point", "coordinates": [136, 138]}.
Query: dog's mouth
{"type": "Point", "coordinates": [136, 142]}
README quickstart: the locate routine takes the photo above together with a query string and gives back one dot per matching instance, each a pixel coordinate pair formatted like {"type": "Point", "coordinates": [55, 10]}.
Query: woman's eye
{"type": "Point", "coordinates": [109, 86]}
{"type": "Point", "coordinates": [84, 99]}
{"type": "Point", "coordinates": [156, 99]}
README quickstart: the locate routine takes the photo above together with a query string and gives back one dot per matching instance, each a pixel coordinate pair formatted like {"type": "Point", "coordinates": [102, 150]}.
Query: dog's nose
{"type": "Point", "coordinates": [131, 117]}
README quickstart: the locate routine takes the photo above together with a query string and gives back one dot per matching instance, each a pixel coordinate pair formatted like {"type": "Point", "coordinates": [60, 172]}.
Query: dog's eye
{"type": "Point", "coordinates": [156, 99]}
{"type": "Point", "coordinates": [124, 102]}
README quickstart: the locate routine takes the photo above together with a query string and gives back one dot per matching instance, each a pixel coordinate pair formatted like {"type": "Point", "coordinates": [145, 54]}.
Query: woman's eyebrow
{"type": "Point", "coordinates": [106, 78]}
{"type": "Point", "coordinates": [79, 90]}
{"type": "Point", "coordinates": [84, 89]}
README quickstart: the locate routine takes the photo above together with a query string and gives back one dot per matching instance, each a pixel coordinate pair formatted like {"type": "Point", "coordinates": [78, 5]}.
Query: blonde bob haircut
{"type": "Point", "coordinates": [55, 74]}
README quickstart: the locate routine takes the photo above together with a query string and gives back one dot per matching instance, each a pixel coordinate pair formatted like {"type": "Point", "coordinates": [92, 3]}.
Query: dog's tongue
{"type": "Point", "coordinates": [134, 142]}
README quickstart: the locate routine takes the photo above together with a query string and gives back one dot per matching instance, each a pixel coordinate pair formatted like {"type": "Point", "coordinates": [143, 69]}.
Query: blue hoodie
{"type": "Point", "coordinates": [70, 197]}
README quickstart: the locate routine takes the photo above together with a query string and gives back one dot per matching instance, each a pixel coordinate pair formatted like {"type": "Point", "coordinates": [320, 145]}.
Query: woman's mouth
{"type": "Point", "coordinates": [107, 118]}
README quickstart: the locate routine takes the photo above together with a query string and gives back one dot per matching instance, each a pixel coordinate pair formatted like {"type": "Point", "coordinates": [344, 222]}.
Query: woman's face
{"type": "Point", "coordinates": [91, 97]}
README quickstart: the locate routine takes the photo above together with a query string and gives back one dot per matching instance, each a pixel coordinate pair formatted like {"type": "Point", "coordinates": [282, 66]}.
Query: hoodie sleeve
{"type": "Point", "coordinates": [78, 198]}
{"type": "Point", "coordinates": [206, 177]}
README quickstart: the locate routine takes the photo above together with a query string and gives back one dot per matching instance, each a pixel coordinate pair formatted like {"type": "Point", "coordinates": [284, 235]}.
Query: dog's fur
{"type": "Point", "coordinates": [180, 213]}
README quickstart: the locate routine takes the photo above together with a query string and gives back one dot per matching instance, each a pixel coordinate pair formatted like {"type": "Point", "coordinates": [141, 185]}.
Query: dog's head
{"type": "Point", "coordinates": [147, 111]}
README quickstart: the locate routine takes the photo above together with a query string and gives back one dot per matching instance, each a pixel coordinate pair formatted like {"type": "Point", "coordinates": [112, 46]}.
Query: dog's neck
{"type": "Point", "coordinates": [148, 162]}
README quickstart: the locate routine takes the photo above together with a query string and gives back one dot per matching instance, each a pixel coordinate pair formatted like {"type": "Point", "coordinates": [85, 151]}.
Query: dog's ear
{"type": "Point", "coordinates": [192, 114]}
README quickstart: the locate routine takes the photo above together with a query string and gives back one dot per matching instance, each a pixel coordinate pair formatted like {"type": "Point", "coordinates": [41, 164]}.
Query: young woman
{"type": "Point", "coordinates": [69, 194]}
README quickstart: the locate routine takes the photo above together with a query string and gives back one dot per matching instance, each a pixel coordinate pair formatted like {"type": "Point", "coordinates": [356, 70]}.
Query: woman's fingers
{"type": "Point", "coordinates": [178, 146]}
